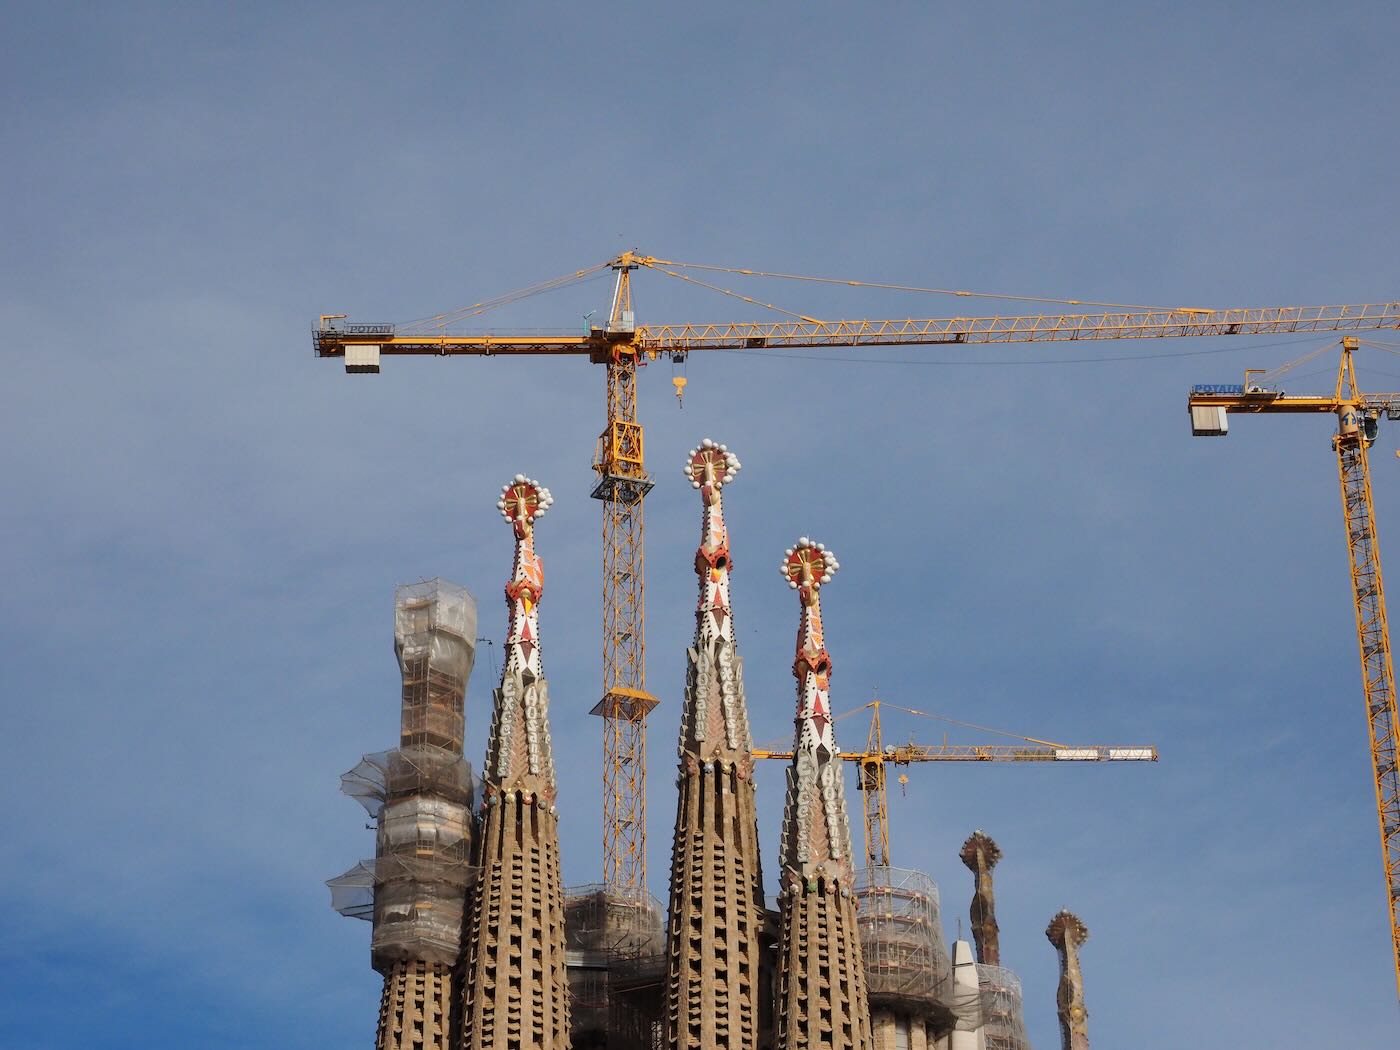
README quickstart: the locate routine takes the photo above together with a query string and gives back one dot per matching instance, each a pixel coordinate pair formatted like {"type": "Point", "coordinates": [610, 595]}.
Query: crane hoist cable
{"type": "Point", "coordinates": [730, 292]}
{"type": "Point", "coordinates": [1146, 356]}
{"type": "Point", "coordinates": [777, 744]}
{"type": "Point", "coordinates": [442, 320]}
{"type": "Point", "coordinates": [886, 286]}
{"type": "Point", "coordinates": [969, 725]}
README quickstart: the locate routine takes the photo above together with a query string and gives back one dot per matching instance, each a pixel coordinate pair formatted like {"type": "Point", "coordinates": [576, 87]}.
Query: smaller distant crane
{"type": "Point", "coordinates": [877, 755]}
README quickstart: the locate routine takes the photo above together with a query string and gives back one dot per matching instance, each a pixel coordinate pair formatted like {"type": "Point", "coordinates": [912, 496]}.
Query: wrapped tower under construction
{"type": "Point", "coordinates": [1068, 933]}
{"type": "Point", "coordinates": [420, 795]}
{"type": "Point", "coordinates": [1002, 1012]}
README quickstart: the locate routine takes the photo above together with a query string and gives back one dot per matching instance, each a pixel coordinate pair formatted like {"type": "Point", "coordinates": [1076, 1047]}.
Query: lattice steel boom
{"type": "Point", "coordinates": [878, 754]}
{"type": "Point", "coordinates": [1357, 417]}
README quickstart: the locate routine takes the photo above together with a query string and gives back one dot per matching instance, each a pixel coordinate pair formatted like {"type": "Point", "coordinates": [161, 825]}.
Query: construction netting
{"type": "Point", "coordinates": [901, 937]}
{"type": "Point", "coordinates": [435, 641]}
{"type": "Point", "coordinates": [414, 889]}
{"type": "Point", "coordinates": [425, 770]}
{"type": "Point", "coordinates": [599, 920]}
{"type": "Point", "coordinates": [416, 907]}
{"type": "Point", "coordinates": [420, 793]}
{"type": "Point", "coordinates": [616, 959]}
{"type": "Point", "coordinates": [1003, 1015]}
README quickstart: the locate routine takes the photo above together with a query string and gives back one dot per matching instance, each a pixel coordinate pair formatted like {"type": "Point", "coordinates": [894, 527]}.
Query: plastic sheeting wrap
{"type": "Point", "coordinates": [617, 965]}
{"type": "Point", "coordinates": [416, 906]}
{"type": "Point", "coordinates": [1003, 1015]}
{"type": "Point", "coordinates": [409, 771]}
{"type": "Point", "coordinates": [419, 793]}
{"type": "Point", "coordinates": [434, 605]}
{"type": "Point", "coordinates": [435, 641]}
{"type": "Point", "coordinates": [415, 888]}
{"type": "Point", "coordinates": [598, 921]}
{"type": "Point", "coordinates": [425, 827]}
{"type": "Point", "coordinates": [901, 937]}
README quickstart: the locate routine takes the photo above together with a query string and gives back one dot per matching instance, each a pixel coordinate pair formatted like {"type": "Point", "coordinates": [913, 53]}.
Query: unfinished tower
{"type": "Point", "coordinates": [419, 793]}
{"type": "Point", "coordinates": [981, 854]}
{"type": "Point", "coordinates": [1003, 1013]}
{"type": "Point", "coordinates": [515, 994]}
{"type": "Point", "coordinates": [1066, 932]}
{"type": "Point", "coordinates": [906, 963]}
{"type": "Point", "coordinates": [822, 1001]}
{"type": "Point", "coordinates": [716, 907]}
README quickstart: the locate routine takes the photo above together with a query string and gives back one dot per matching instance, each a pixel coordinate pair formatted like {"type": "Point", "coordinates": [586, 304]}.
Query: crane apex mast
{"type": "Point", "coordinates": [622, 485]}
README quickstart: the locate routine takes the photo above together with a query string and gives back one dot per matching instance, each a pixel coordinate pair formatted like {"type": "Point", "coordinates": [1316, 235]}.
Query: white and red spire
{"type": "Point", "coordinates": [714, 722]}
{"type": "Point", "coordinates": [515, 964]}
{"type": "Point", "coordinates": [816, 832]}
{"type": "Point", "coordinates": [519, 755]}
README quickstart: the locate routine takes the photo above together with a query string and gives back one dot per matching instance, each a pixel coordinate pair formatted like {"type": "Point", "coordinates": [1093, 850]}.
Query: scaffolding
{"type": "Point", "coordinates": [416, 907]}
{"type": "Point", "coordinates": [1003, 1015]}
{"type": "Point", "coordinates": [435, 642]}
{"type": "Point", "coordinates": [420, 793]}
{"type": "Point", "coordinates": [617, 966]}
{"type": "Point", "coordinates": [901, 937]}
{"type": "Point", "coordinates": [426, 770]}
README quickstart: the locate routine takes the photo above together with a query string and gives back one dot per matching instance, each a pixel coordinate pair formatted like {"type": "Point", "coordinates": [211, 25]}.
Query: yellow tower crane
{"type": "Point", "coordinates": [1357, 416]}
{"type": "Point", "coordinates": [877, 755]}
{"type": "Point", "coordinates": [622, 346]}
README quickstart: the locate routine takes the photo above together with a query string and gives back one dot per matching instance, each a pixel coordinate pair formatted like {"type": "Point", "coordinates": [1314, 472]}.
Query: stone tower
{"type": "Point", "coordinates": [822, 1001]}
{"type": "Point", "coordinates": [515, 988]}
{"type": "Point", "coordinates": [716, 906]}
{"type": "Point", "coordinates": [420, 794]}
{"type": "Point", "coordinates": [981, 854]}
{"type": "Point", "coordinates": [1067, 932]}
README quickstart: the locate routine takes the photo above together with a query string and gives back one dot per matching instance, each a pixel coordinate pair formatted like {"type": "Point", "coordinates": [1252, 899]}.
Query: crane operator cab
{"type": "Point", "coordinates": [1352, 420]}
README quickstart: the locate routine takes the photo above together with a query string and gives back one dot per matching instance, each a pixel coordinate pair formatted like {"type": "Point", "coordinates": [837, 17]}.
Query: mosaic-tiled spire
{"type": "Point", "coordinates": [516, 988]}
{"type": "Point", "coordinates": [1067, 933]}
{"type": "Point", "coordinates": [821, 974]}
{"type": "Point", "coordinates": [716, 907]}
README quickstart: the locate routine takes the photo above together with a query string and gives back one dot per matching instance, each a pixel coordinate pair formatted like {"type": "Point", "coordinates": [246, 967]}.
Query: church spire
{"type": "Point", "coordinates": [516, 994]}
{"type": "Point", "coordinates": [716, 899]}
{"type": "Point", "coordinates": [714, 726]}
{"type": "Point", "coordinates": [519, 756]}
{"type": "Point", "coordinates": [816, 832]}
{"type": "Point", "coordinates": [821, 972]}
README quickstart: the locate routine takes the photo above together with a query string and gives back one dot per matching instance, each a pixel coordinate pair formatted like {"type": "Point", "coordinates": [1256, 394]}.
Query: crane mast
{"type": "Point", "coordinates": [622, 486]}
{"type": "Point", "coordinates": [873, 797]}
{"type": "Point", "coordinates": [1357, 416]}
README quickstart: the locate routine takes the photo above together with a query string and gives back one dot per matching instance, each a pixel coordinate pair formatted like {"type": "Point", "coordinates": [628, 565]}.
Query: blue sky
{"type": "Point", "coordinates": [203, 524]}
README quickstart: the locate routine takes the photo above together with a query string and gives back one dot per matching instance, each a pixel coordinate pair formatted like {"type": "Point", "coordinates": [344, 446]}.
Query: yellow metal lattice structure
{"type": "Point", "coordinates": [1357, 415]}
{"type": "Point", "coordinates": [878, 754]}
{"type": "Point", "coordinates": [622, 486]}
